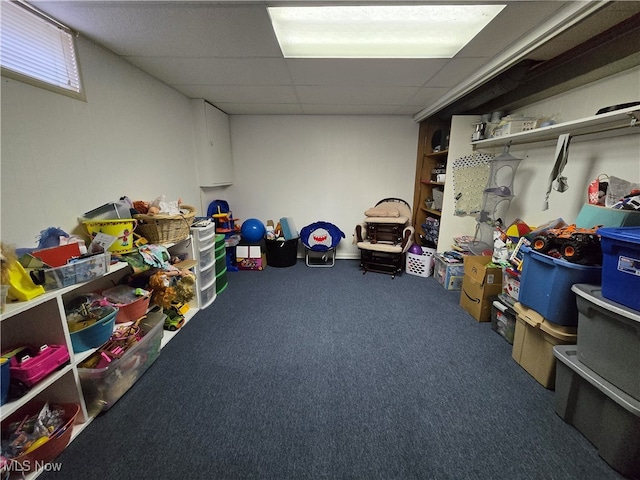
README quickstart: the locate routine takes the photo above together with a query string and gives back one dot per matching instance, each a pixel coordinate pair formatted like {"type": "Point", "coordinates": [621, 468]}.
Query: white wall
{"type": "Point", "coordinates": [62, 157]}
{"type": "Point", "coordinates": [312, 168]}
{"type": "Point", "coordinates": [618, 156]}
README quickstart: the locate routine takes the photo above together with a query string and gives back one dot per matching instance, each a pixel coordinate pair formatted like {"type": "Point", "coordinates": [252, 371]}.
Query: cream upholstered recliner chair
{"type": "Point", "coordinates": [384, 236]}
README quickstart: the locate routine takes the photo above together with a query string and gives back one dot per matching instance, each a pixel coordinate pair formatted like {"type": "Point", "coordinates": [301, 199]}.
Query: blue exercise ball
{"type": "Point", "coordinates": [253, 230]}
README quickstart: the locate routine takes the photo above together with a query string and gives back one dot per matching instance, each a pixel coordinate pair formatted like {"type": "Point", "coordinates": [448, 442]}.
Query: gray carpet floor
{"type": "Point", "coordinates": [326, 373]}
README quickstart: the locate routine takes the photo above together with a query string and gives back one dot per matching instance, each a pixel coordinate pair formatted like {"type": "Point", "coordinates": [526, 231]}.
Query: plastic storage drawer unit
{"type": "Point", "coordinates": [204, 237]}
{"type": "Point", "coordinates": [605, 415]}
{"type": "Point", "coordinates": [503, 320]}
{"type": "Point", "coordinates": [545, 286]}
{"type": "Point", "coordinates": [207, 296]}
{"type": "Point", "coordinates": [621, 265]}
{"type": "Point", "coordinates": [207, 257]}
{"type": "Point", "coordinates": [609, 338]}
{"type": "Point", "coordinates": [206, 277]}
{"type": "Point", "coordinates": [221, 281]}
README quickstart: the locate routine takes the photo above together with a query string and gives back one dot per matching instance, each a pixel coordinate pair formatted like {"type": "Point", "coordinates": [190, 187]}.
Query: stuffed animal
{"type": "Point", "coordinates": [173, 286]}
{"type": "Point", "coordinates": [163, 291]}
{"type": "Point", "coordinates": [7, 258]}
{"type": "Point", "coordinates": [184, 288]}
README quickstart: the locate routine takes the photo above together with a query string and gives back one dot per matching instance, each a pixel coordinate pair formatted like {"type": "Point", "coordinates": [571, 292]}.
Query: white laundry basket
{"type": "Point", "coordinates": [421, 265]}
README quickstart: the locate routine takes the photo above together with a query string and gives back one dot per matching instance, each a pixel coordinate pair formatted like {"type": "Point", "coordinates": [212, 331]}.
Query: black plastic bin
{"type": "Point", "coordinates": [282, 254]}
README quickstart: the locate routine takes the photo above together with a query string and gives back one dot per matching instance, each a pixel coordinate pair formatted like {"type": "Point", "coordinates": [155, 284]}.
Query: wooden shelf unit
{"type": "Point", "coordinates": [426, 161]}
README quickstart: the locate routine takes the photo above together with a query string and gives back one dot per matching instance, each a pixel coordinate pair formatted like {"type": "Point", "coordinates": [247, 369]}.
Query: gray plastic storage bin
{"type": "Point", "coordinates": [609, 338]}
{"type": "Point", "coordinates": [604, 414]}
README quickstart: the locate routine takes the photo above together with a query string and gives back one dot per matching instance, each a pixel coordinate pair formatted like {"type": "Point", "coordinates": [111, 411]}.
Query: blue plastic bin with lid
{"type": "Point", "coordinates": [621, 265]}
{"type": "Point", "coordinates": [545, 286]}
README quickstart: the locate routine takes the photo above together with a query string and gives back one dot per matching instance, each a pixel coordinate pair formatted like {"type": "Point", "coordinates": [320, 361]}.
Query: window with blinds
{"type": "Point", "coordinates": [38, 50]}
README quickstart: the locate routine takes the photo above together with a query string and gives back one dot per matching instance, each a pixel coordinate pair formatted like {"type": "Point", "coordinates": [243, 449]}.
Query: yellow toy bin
{"type": "Point", "coordinates": [121, 228]}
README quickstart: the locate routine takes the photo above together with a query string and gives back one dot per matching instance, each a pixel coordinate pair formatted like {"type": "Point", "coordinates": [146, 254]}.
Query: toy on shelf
{"type": "Point", "coordinates": [576, 245]}
{"type": "Point", "coordinates": [29, 365]}
{"type": "Point", "coordinates": [223, 218]}
{"type": "Point", "coordinates": [13, 275]}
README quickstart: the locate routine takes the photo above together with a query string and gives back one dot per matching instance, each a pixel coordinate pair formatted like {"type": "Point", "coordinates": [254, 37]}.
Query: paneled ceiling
{"type": "Point", "coordinates": [226, 52]}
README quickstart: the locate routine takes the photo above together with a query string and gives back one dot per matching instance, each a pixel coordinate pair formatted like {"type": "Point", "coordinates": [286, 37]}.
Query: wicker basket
{"type": "Point", "coordinates": [166, 228]}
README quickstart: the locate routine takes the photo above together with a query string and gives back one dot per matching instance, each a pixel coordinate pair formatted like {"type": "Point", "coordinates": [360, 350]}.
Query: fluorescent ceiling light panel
{"type": "Point", "coordinates": [376, 31]}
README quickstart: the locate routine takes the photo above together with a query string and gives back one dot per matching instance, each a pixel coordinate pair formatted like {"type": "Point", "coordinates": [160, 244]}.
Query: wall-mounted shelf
{"type": "Point", "coordinates": [429, 182]}
{"type": "Point", "coordinates": [620, 122]}
{"type": "Point", "coordinates": [439, 153]}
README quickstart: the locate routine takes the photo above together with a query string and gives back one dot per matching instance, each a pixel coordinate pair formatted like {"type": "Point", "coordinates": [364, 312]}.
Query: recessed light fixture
{"type": "Point", "coordinates": [377, 31]}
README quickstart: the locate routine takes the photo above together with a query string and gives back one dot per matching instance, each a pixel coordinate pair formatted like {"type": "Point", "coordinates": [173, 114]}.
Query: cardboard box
{"type": "Point", "coordinates": [511, 282]}
{"type": "Point", "coordinates": [533, 343]}
{"type": "Point", "coordinates": [449, 275]}
{"type": "Point", "coordinates": [250, 257]}
{"type": "Point", "coordinates": [480, 282]}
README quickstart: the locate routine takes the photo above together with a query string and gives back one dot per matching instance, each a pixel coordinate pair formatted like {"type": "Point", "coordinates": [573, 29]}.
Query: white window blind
{"type": "Point", "coordinates": [38, 50]}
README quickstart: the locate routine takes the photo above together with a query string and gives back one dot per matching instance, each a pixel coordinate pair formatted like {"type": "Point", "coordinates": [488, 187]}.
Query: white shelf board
{"type": "Point", "coordinates": [168, 335]}
{"type": "Point", "coordinates": [620, 122]}
{"type": "Point", "coordinates": [10, 407]}
{"type": "Point", "coordinates": [14, 308]}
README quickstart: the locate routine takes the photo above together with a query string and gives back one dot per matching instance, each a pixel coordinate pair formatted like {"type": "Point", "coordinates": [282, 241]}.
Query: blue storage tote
{"type": "Point", "coordinates": [621, 265]}
{"type": "Point", "coordinates": [96, 334]}
{"type": "Point", "coordinates": [545, 286]}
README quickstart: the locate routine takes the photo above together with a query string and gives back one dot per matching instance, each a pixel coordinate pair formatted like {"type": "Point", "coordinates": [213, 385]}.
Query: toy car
{"type": "Point", "coordinates": [576, 245]}
{"type": "Point", "coordinates": [174, 319]}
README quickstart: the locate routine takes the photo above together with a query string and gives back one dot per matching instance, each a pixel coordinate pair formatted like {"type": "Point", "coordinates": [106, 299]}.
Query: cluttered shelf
{"type": "Point", "coordinates": [61, 341]}
{"type": "Point", "coordinates": [615, 123]}
{"type": "Point", "coordinates": [431, 211]}
{"type": "Point", "coordinates": [439, 153]}
{"type": "Point", "coordinates": [15, 308]}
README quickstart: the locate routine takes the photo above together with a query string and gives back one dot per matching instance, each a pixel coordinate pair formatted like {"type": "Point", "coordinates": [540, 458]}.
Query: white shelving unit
{"type": "Point", "coordinates": [42, 320]}
{"type": "Point", "coordinates": [205, 255]}
{"type": "Point", "coordinates": [620, 122]}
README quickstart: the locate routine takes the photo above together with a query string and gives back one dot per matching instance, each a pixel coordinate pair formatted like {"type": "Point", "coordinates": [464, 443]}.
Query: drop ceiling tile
{"type": "Point", "coordinates": [356, 95]}
{"type": "Point", "coordinates": [260, 108]}
{"type": "Point", "coordinates": [323, 109]}
{"type": "Point", "coordinates": [455, 70]}
{"type": "Point", "coordinates": [409, 110]}
{"type": "Point", "coordinates": [509, 26]}
{"type": "Point", "coordinates": [215, 71]}
{"type": "Point", "coordinates": [240, 93]}
{"type": "Point", "coordinates": [365, 72]}
{"type": "Point", "coordinates": [427, 95]}
{"type": "Point", "coordinates": [173, 28]}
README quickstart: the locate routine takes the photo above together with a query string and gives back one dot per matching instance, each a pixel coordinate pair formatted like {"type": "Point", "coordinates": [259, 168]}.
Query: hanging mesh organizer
{"type": "Point", "coordinates": [496, 198]}
{"type": "Point", "coordinates": [470, 175]}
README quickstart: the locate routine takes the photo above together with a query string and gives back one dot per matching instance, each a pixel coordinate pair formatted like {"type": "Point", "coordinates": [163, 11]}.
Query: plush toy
{"type": "Point", "coordinates": [7, 257]}
{"type": "Point", "coordinates": [184, 288]}
{"type": "Point", "coordinates": [163, 291]}
{"type": "Point", "coordinates": [173, 286]}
